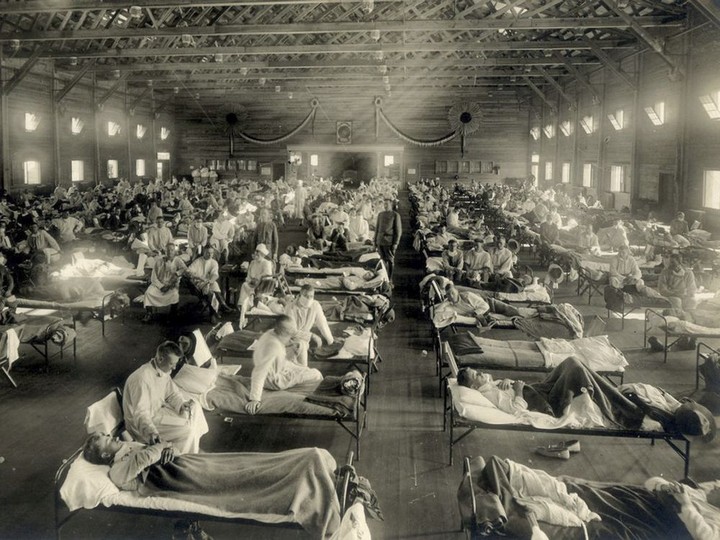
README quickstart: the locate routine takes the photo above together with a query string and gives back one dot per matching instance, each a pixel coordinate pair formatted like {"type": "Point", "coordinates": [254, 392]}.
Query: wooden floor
{"type": "Point", "coordinates": [404, 450]}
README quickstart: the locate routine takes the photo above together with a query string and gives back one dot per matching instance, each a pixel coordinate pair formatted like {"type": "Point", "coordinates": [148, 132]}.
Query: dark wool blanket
{"type": "Point", "coordinates": [298, 483]}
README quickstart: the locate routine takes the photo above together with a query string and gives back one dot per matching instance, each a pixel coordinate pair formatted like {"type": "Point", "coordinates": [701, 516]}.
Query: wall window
{"type": "Point", "coordinates": [140, 167]}
{"type": "Point", "coordinates": [31, 172]}
{"type": "Point", "coordinates": [535, 171]}
{"type": "Point", "coordinates": [617, 119]}
{"type": "Point", "coordinates": [113, 168]}
{"type": "Point", "coordinates": [548, 170]}
{"type": "Point", "coordinates": [588, 124]}
{"type": "Point", "coordinates": [549, 131]}
{"type": "Point", "coordinates": [389, 161]}
{"type": "Point", "coordinates": [617, 178]}
{"type": "Point", "coordinates": [140, 131]}
{"type": "Point", "coordinates": [32, 121]}
{"type": "Point", "coordinates": [113, 129]}
{"type": "Point", "coordinates": [164, 133]}
{"type": "Point", "coordinates": [711, 104]}
{"type": "Point", "coordinates": [711, 190]}
{"type": "Point", "coordinates": [535, 133]}
{"type": "Point", "coordinates": [77, 170]}
{"type": "Point", "coordinates": [565, 173]}
{"type": "Point", "coordinates": [535, 158]}
{"type": "Point", "coordinates": [164, 156]}
{"type": "Point", "coordinates": [588, 175]}
{"type": "Point", "coordinates": [314, 160]}
{"type": "Point", "coordinates": [76, 125]}
{"type": "Point", "coordinates": [656, 113]}
{"type": "Point", "coordinates": [159, 171]}
{"type": "Point", "coordinates": [566, 128]}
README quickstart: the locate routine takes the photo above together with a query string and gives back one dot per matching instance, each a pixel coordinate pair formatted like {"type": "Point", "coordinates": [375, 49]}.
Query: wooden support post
{"type": "Point", "coordinates": [128, 136]}
{"type": "Point", "coordinates": [579, 168]}
{"type": "Point", "coordinates": [5, 128]}
{"type": "Point", "coordinates": [634, 167]}
{"type": "Point", "coordinates": [107, 95]}
{"type": "Point", "coordinates": [555, 85]}
{"type": "Point", "coordinates": [131, 108]}
{"type": "Point", "coordinates": [603, 178]}
{"type": "Point", "coordinates": [579, 77]}
{"type": "Point", "coordinates": [96, 132]}
{"type": "Point", "coordinates": [154, 133]}
{"type": "Point", "coordinates": [76, 79]}
{"type": "Point", "coordinates": [54, 84]}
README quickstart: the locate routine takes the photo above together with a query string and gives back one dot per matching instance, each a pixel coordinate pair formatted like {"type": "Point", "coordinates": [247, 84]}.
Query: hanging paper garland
{"type": "Point", "coordinates": [311, 116]}
{"type": "Point", "coordinates": [465, 118]}
{"type": "Point", "coordinates": [379, 113]}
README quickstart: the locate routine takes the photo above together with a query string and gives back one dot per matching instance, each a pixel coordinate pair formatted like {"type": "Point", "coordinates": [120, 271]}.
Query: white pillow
{"type": "Point", "coordinates": [104, 415]}
{"type": "Point", "coordinates": [86, 485]}
{"type": "Point", "coordinates": [194, 379]}
{"type": "Point", "coordinates": [469, 396]}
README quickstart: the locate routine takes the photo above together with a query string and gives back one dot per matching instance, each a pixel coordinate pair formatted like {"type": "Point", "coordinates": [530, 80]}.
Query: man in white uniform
{"type": "Point", "coordinates": [308, 314]}
{"type": "Point", "coordinates": [154, 408]}
{"type": "Point", "coordinates": [164, 289]}
{"type": "Point", "coordinates": [271, 369]}
{"type": "Point", "coordinates": [204, 273]}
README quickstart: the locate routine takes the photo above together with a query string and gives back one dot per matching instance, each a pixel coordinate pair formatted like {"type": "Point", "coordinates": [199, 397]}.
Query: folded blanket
{"type": "Point", "coordinates": [329, 393]}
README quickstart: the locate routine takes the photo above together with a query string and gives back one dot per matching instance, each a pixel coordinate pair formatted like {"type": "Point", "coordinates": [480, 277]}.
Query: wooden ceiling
{"type": "Point", "coordinates": [255, 48]}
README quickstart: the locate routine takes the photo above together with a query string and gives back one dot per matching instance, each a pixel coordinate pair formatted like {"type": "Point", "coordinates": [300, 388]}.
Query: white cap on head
{"type": "Point", "coordinates": [262, 248]}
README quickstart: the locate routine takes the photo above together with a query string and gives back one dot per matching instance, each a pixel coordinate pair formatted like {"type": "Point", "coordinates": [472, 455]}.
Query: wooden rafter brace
{"type": "Point", "coordinates": [654, 43]}
{"type": "Point", "coordinates": [579, 77]}
{"type": "Point", "coordinates": [23, 71]}
{"type": "Point", "coordinates": [107, 95]}
{"type": "Point", "coordinates": [612, 65]}
{"type": "Point", "coordinates": [76, 79]}
{"type": "Point", "coordinates": [556, 85]}
{"type": "Point", "coordinates": [160, 108]}
{"type": "Point", "coordinates": [138, 99]}
{"type": "Point", "coordinates": [710, 9]}
{"type": "Point", "coordinates": [541, 94]}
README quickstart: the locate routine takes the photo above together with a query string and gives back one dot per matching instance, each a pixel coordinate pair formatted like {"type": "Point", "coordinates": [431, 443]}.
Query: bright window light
{"type": "Point", "coordinates": [113, 168]}
{"type": "Point", "coordinates": [31, 172]}
{"type": "Point", "coordinates": [164, 133]}
{"type": "Point", "coordinates": [77, 170]}
{"type": "Point", "coordinates": [535, 158]}
{"type": "Point", "coordinates": [389, 161]}
{"type": "Point", "coordinates": [140, 131]}
{"type": "Point", "coordinates": [711, 104]}
{"type": "Point", "coordinates": [314, 160]}
{"type": "Point", "coordinates": [163, 156]}
{"type": "Point", "coordinates": [617, 178]}
{"type": "Point", "coordinates": [549, 131]}
{"type": "Point", "coordinates": [588, 124]}
{"type": "Point", "coordinates": [113, 129]}
{"type": "Point", "coordinates": [535, 171]}
{"type": "Point", "coordinates": [535, 133]}
{"type": "Point", "coordinates": [548, 170]}
{"type": "Point", "coordinates": [711, 189]}
{"type": "Point", "coordinates": [32, 121]}
{"type": "Point", "coordinates": [140, 167]}
{"type": "Point", "coordinates": [656, 113]}
{"type": "Point", "coordinates": [565, 173]}
{"type": "Point", "coordinates": [76, 126]}
{"type": "Point", "coordinates": [588, 175]}
{"type": "Point", "coordinates": [159, 172]}
{"type": "Point", "coordinates": [566, 128]}
{"type": "Point", "coordinates": [617, 119]}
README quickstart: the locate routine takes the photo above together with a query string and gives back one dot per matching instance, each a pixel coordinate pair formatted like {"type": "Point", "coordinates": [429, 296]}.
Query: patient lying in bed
{"type": "Point", "coordinates": [300, 482]}
{"type": "Point", "coordinates": [467, 307]}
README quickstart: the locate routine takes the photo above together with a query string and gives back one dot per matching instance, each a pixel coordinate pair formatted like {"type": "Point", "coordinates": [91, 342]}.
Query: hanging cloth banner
{"type": "Point", "coordinates": [379, 113]}
{"type": "Point", "coordinates": [310, 117]}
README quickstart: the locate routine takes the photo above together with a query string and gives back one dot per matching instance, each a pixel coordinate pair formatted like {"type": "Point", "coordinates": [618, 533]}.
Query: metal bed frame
{"type": "Point", "coordinates": [702, 351]}
{"type": "Point", "coordinates": [675, 336]}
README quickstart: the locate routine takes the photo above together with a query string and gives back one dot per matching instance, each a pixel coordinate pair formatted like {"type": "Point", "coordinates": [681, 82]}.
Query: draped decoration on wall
{"type": "Point", "coordinates": [380, 114]}
{"type": "Point", "coordinates": [465, 119]}
{"type": "Point", "coordinates": [309, 118]}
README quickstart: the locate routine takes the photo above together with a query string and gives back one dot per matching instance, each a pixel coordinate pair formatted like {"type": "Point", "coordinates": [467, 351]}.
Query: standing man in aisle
{"type": "Point", "coordinates": [387, 235]}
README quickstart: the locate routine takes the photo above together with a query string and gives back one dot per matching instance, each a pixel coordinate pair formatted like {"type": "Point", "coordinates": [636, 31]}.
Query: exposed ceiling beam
{"type": "Point", "coordinates": [156, 67]}
{"type": "Point", "coordinates": [655, 44]}
{"type": "Point", "coordinates": [377, 86]}
{"type": "Point", "coordinates": [35, 6]}
{"type": "Point", "coordinates": [613, 66]}
{"type": "Point", "coordinates": [709, 8]}
{"type": "Point", "coordinates": [138, 99]}
{"type": "Point", "coordinates": [463, 25]}
{"type": "Point", "coordinates": [372, 48]}
{"type": "Point", "coordinates": [22, 72]}
{"type": "Point", "coordinates": [549, 77]}
{"type": "Point", "coordinates": [107, 95]}
{"type": "Point", "coordinates": [541, 94]}
{"type": "Point", "coordinates": [76, 79]}
{"type": "Point", "coordinates": [580, 78]}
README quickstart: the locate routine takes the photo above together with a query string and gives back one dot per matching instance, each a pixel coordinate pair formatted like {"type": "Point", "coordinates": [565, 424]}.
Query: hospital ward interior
{"type": "Point", "coordinates": [353, 269]}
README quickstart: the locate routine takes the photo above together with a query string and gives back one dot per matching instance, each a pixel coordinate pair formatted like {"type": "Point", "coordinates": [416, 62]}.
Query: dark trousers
{"type": "Point", "coordinates": [387, 254]}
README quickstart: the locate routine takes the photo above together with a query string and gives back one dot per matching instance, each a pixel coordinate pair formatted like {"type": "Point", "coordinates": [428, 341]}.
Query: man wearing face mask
{"type": "Point", "coordinates": [308, 314]}
{"type": "Point", "coordinates": [154, 408]}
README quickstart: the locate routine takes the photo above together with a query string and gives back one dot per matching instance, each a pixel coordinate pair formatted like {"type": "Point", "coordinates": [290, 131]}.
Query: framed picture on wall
{"type": "Point", "coordinates": [464, 166]}
{"type": "Point", "coordinates": [251, 165]}
{"type": "Point", "coordinates": [266, 169]}
{"type": "Point", "coordinates": [240, 164]}
{"type": "Point", "coordinates": [475, 166]}
{"type": "Point", "coordinates": [487, 167]}
{"type": "Point", "coordinates": [452, 167]}
{"type": "Point", "coordinates": [440, 167]}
